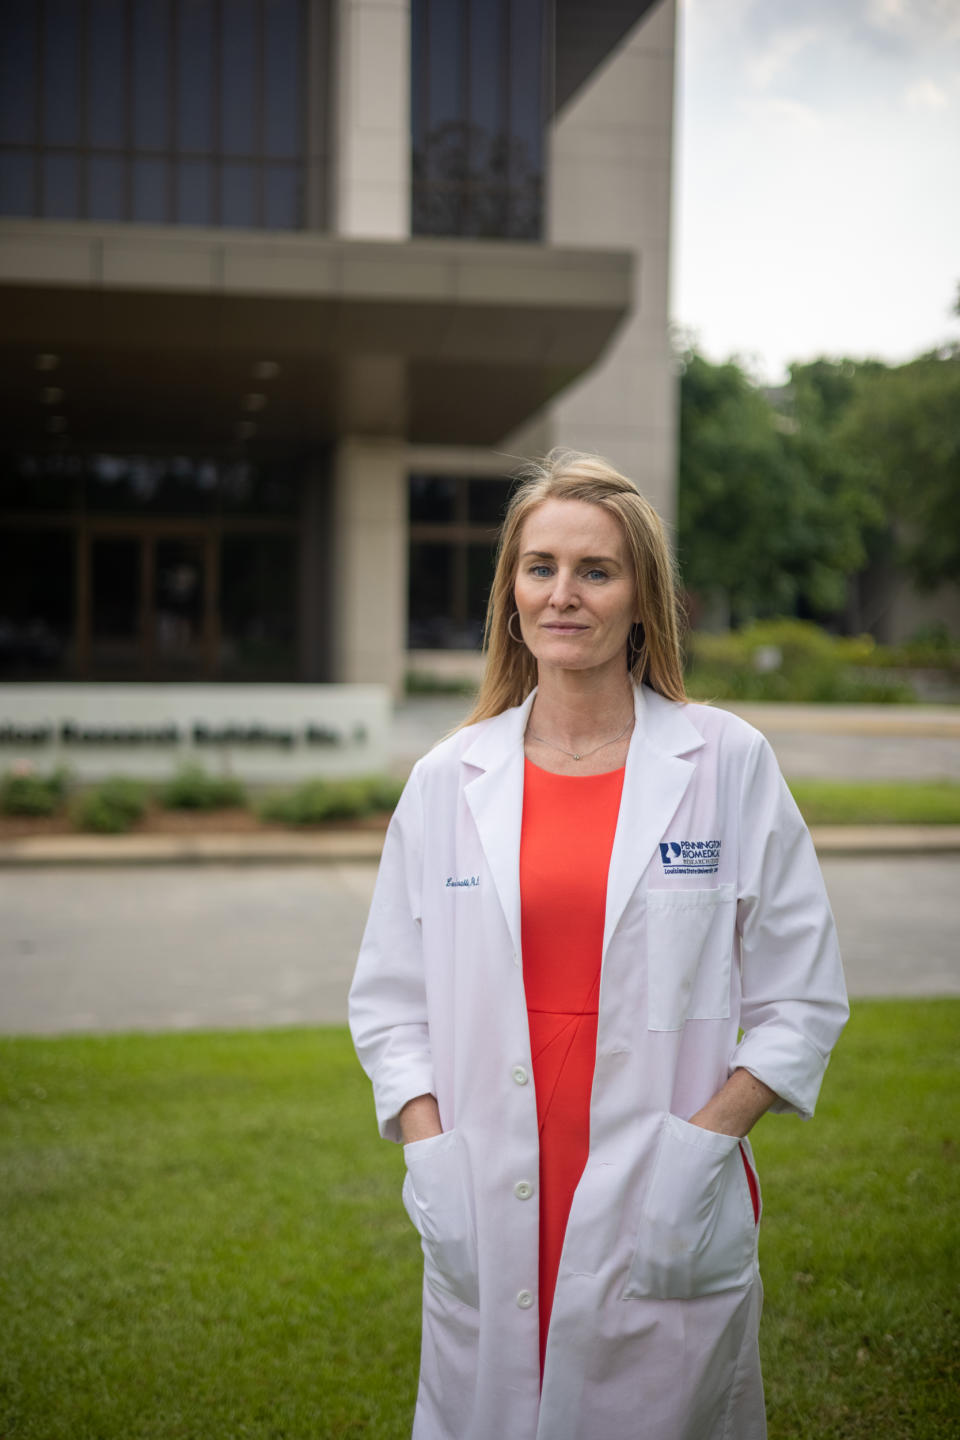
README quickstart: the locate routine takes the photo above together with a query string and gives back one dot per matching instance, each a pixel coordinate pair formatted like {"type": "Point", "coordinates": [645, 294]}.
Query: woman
{"type": "Point", "coordinates": [584, 893]}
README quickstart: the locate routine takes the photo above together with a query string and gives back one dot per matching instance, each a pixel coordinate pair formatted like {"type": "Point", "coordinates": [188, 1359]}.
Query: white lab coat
{"type": "Point", "coordinates": [716, 917]}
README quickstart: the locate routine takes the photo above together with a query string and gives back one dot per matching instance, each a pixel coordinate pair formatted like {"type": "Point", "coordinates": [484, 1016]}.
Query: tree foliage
{"type": "Point", "coordinates": [784, 496]}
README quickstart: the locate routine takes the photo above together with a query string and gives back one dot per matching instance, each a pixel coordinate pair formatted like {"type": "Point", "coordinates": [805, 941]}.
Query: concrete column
{"type": "Point", "coordinates": [372, 119]}
{"type": "Point", "coordinates": [610, 153]}
{"type": "Point", "coordinates": [369, 602]}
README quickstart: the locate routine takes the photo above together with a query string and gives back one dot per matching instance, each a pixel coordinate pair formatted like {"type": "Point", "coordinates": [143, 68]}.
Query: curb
{"type": "Point", "coordinates": [347, 846]}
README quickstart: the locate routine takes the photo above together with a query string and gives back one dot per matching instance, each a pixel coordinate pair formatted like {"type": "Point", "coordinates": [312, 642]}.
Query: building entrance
{"type": "Point", "coordinates": [148, 607]}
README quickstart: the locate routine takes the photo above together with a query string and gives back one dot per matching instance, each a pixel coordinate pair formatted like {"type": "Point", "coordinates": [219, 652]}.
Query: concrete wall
{"type": "Point", "coordinates": [371, 167]}
{"type": "Point", "coordinates": [609, 185]}
{"type": "Point", "coordinates": [369, 571]}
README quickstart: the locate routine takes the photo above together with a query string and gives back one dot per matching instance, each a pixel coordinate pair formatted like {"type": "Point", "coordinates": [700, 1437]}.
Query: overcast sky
{"type": "Point", "coordinates": [818, 178]}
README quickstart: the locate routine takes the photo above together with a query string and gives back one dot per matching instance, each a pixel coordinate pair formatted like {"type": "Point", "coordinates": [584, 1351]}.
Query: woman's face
{"type": "Point", "coordinates": [575, 589]}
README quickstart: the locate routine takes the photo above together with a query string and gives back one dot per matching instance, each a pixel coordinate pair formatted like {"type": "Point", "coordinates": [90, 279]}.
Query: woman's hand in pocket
{"type": "Point", "coordinates": [737, 1107]}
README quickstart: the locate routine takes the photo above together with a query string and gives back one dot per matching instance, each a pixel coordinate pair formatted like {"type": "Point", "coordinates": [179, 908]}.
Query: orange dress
{"type": "Point", "coordinates": [565, 844]}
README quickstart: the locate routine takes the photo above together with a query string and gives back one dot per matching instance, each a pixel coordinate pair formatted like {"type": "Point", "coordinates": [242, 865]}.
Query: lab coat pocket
{"type": "Point", "coordinates": [436, 1194]}
{"type": "Point", "coordinates": [690, 936]}
{"type": "Point", "coordinates": [697, 1229]}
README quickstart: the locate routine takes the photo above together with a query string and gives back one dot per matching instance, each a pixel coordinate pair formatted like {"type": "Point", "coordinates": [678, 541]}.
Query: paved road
{"type": "Point", "coordinates": [180, 948]}
{"type": "Point", "coordinates": [820, 742]}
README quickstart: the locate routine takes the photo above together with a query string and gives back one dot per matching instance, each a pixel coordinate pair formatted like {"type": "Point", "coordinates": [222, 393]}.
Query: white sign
{"type": "Point", "coordinates": [258, 733]}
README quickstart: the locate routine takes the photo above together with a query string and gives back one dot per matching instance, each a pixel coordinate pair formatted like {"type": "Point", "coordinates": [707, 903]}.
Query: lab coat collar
{"type": "Point", "coordinates": [654, 783]}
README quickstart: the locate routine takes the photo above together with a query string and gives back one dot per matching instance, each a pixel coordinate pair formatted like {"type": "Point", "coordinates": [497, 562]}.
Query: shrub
{"type": "Point", "coordinates": [192, 788]}
{"type": "Point", "coordinates": [113, 806]}
{"type": "Point", "coordinates": [425, 682]}
{"type": "Point", "coordinates": [791, 660]}
{"type": "Point", "coordinates": [24, 793]}
{"type": "Point", "coordinates": [317, 801]}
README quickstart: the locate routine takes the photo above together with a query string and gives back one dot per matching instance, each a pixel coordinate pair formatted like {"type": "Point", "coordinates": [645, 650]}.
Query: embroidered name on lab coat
{"type": "Point", "coordinates": [690, 857]}
{"type": "Point", "coordinates": [466, 883]}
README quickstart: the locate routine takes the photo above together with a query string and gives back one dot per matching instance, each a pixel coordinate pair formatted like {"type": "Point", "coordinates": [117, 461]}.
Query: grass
{"type": "Point", "coordinates": [897, 802]}
{"type": "Point", "coordinates": [203, 1240]}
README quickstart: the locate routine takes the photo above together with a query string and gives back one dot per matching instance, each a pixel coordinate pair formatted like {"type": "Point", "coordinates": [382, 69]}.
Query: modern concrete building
{"type": "Point", "coordinates": [286, 287]}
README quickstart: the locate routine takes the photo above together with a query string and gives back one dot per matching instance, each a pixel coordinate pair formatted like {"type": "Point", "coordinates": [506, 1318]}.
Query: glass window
{"type": "Point", "coordinates": [266, 488]}
{"type": "Point", "coordinates": [430, 622]}
{"type": "Point", "coordinates": [487, 500]}
{"type": "Point", "coordinates": [155, 84]}
{"type": "Point", "coordinates": [258, 605]}
{"type": "Point", "coordinates": [61, 188]}
{"type": "Point", "coordinates": [195, 91]}
{"type": "Point", "coordinates": [238, 80]}
{"type": "Point", "coordinates": [281, 197]}
{"type": "Point", "coordinates": [237, 195]}
{"type": "Point", "coordinates": [150, 75]}
{"type": "Point", "coordinates": [432, 498]}
{"type": "Point", "coordinates": [195, 192]}
{"type": "Point", "coordinates": [18, 183]}
{"type": "Point", "coordinates": [480, 566]}
{"type": "Point", "coordinates": [36, 601]}
{"type": "Point", "coordinates": [150, 191]}
{"type": "Point", "coordinates": [281, 75]}
{"type": "Point", "coordinates": [453, 532]}
{"type": "Point", "coordinates": [18, 57]}
{"type": "Point", "coordinates": [61, 72]}
{"type": "Point", "coordinates": [115, 588]}
{"type": "Point", "coordinates": [106, 66]}
{"type": "Point", "coordinates": [179, 599]}
{"type": "Point", "coordinates": [36, 483]}
{"type": "Point", "coordinates": [106, 197]}
{"type": "Point", "coordinates": [147, 484]}
{"type": "Point", "coordinates": [477, 117]}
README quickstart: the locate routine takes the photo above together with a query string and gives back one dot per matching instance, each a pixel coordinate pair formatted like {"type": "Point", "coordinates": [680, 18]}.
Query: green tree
{"type": "Point", "coordinates": [900, 431]}
{"type": "Point", "coordinates": [757, 525]}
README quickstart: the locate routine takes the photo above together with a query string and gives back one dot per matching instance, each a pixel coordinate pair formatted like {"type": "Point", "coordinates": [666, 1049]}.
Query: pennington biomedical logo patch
{"type": "Point", "coordinates": [690, 857]}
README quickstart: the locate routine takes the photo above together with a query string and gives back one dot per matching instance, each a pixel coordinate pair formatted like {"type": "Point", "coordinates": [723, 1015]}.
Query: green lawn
{"type": "Point", "coordinates": [202, 1237]}
{"type": "Point", "coordinates": [895, 802]}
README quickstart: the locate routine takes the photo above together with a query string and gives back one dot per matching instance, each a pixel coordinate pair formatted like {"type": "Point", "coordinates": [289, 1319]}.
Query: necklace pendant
{"type": "Point", "coordinates": [576, 757]}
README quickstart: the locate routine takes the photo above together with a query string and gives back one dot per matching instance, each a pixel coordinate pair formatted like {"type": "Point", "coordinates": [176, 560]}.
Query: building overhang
{"type": "Point", "coordinates": [160, 334]}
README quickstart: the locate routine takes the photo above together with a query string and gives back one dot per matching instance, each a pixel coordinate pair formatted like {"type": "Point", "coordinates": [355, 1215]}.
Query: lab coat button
{"type": "Point", "coordinates": [523, 1189]}
{"type": "Point", "coordinates": [520, 1075]}
{"type": "Point", "coordinates": [525, 1299]}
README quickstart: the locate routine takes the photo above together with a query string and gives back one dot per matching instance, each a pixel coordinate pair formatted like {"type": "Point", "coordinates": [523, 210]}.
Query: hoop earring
{"type": "Point", "coordinates": [518, 639]}
{"type": "Point", "coordinates": [633, 648]}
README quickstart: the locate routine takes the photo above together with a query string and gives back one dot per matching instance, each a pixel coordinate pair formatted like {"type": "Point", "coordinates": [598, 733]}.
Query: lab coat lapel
{"type": "Point", "coordinates": [495, 798]}
{"type": "Point", "coordinates": [654, 783]}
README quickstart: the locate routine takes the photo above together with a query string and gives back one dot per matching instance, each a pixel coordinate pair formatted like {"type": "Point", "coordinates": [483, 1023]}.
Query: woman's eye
{"type": "Point", "coordinates": [596, 574]}
{"type": "Point", "coordinates": [541, 571]}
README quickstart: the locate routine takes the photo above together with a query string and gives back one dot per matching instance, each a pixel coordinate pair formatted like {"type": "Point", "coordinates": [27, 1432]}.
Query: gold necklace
{"type": "Point", "coordinates": [584, 754]}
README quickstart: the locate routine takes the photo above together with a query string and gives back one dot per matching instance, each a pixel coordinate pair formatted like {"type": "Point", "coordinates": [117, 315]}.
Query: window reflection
{"type": "Point", "coordinates": [157, 94]}
{"type": "Point", "coordinates": [453, 531]}
{"type": "Point", "coordinates": [150, 70]}
{"type": "Point", "coordinates": [61, 72]}
{"type": "Point", "coordinates": [478, 116]}
{"type": "Point", "coordinates": [104, 63]}
{"type": "Point", "coordinates": [17, 61]}
{"type": "Point", "coordinates": [36, 602]}
{"type": "Point", "coordinates": [105, 194]}
{"type": "Point", "coordinates": [238, 80]}
{"type": "Point", "coordinates": [257, 605]}
{"type": "Point", "coordinates": [195, 66]}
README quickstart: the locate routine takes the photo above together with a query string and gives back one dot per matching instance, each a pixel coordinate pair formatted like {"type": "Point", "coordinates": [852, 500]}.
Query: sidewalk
{"type": "Point", "coordinates": [332, 847]}
{"type": "Point", "coordinates": [420, 721]}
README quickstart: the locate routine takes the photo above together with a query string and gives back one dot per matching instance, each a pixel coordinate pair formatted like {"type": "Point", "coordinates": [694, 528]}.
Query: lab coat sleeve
{"type": "Point", "coordinates": [794, 1001]}
{"type": "Point", "coordinates": [387, 1007]}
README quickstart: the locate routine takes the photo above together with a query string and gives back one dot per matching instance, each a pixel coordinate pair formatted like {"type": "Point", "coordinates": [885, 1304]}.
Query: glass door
{"type": "Point", "coordinates": [116, 606]}
{"type": "Point", "coordinates": [178, 604]}
{"type": "Point", "coordinates": [150, 603]}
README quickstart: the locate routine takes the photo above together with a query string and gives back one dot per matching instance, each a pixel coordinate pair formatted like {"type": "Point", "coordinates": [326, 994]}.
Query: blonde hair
{"type": "Point", "coordinates": [653, 656]}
